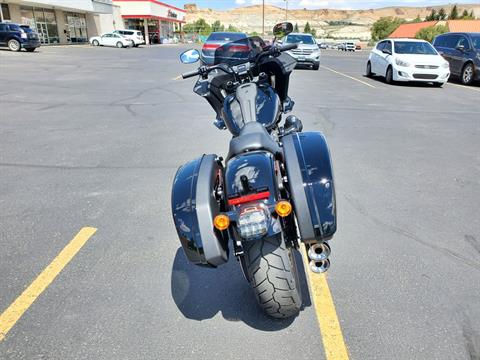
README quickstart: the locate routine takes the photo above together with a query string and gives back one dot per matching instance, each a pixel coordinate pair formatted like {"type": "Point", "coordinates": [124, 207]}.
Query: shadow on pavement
{"type": "Point", "coordinates": [414, 84]}
{"type": "Point", "coordinates": [200, 293]}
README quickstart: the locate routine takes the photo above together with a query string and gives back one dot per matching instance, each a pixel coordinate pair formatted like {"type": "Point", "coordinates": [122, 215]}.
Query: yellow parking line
{"type": "Point", "coordinates": [15, 311]}
{"type": "Point", "coordinates": [347, 76]}
{"type": "Point", "coordinates": [332, 337]}
{"type": "Point", "coordinates": [465, 87]}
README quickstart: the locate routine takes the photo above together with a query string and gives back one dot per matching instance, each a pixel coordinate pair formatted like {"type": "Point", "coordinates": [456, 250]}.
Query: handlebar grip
{"type": "Point", "coordinates": [191, 74]}
{"type": "Point", "coordinates": [288, 47]}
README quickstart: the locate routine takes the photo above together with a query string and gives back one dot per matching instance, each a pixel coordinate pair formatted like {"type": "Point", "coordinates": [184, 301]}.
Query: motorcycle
{"type": "Point", "coordinates": [272, 192]}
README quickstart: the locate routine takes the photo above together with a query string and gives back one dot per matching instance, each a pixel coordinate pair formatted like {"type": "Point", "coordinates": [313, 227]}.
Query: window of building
{"type": "Point", "coordinates": [76, 28]}
{"type": "Point", "coordinates": [43, 21]}
{"type": "Point", "coordinates": [5, 12]}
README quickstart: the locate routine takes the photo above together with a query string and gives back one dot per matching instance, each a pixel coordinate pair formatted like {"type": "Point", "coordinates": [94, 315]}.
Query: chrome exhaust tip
{"type": "Point", "coordinates": [319, 251]}
{"type": "Point", "coordinates": [319, 267]}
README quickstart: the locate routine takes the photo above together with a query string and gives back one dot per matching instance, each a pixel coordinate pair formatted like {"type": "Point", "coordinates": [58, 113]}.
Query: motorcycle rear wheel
{"type": "Point", "coordinates": [272, 272]}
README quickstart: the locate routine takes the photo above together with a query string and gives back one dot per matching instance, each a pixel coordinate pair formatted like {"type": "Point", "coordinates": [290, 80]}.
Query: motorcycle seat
{"type": "Point", "coordinates": [253, 136]}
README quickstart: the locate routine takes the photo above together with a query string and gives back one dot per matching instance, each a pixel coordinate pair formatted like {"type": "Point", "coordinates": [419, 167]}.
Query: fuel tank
{"type": "Point", "coordinates": [251, 102]}
{"type": "Point", "coordinates": [194, 205]}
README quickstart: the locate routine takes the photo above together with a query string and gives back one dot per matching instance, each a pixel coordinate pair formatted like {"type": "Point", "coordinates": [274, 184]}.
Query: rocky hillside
{"type": "Point", "coordinates": [331, 23]}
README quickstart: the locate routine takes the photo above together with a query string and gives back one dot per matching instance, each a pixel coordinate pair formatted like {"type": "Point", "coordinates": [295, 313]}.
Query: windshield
{"type": "Point", "coordinates": [414, 47]}
{"type": "Point", "coordinates": [300, 39]}
{"type": "Point", "coordinates": [239, 51]}
{"type": "Point", "coordinates": [476, 41]}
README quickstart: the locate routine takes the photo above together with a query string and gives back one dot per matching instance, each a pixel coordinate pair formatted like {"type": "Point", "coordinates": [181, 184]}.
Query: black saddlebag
{"type": "Point", "coordinates": [310, 178]}
{"type": "Point", "coordinates": [194, 206]}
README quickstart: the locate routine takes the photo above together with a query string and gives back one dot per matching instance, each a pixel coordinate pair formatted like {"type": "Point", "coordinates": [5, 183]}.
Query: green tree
{"type": "Point", "coordinates": [307, 28]}
{"type": "Point", "coordinates": [429, 33]}
{"type": "Point", "coordinates": [418, 19]}
{"type": "Point", "coordinates": [198, 27]}
{"type": "Point", "coordinates": [232, 28]}
{"type": "Point", "coordinates": [453, 13]}
{"type": "Point", "coordinates": [472, 15]}
{"type": "Point", "coordinates": [442, 14]}
{"type": "Point", "coordinates": [384, 26]}
{"type": "Point", "coordinates": [217, 26]}
{"type": "Point", "coordinates": [295, 28]}
{"type": "Point", "coordinates": [433, 16]}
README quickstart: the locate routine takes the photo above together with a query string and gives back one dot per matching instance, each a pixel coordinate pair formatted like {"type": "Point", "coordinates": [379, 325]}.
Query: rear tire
{"type": "Point", "coordinates": [467, 76]}
{"type": "Point", "coordinates": [272, 272]}
{"type": "Point", "coordinates": [119, 45]}
{"type": "Point", "coordinates": [14, 45]}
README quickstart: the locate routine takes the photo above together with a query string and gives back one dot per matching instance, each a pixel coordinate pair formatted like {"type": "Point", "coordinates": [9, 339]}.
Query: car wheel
{"type": "Point", "coordinates": [369, 73]}
{"type": "Point", "coordinates": [119, 45]}
{"type": "Point", "coordinates": [14, 45]}
{"type": "Point", "coordinates": [389, 75]}
{"type": "Point", "coordinates": [95, 43]}
{"type": "Point", "coordinates": [316, 66]}
{"type": "Point", "coordinates": [467, 74]}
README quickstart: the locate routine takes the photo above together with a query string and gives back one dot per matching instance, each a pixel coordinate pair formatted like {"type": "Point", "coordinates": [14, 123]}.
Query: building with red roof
{"type": "Point", "coordinates": [410, 30]}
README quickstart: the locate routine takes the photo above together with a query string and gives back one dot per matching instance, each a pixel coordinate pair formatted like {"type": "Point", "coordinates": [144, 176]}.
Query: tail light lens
{"type": "Point", "coordinates": [253, 222]}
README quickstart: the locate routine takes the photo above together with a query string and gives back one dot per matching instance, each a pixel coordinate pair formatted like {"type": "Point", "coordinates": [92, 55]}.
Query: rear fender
{"type": "Point", "coordinates": [259, 168]}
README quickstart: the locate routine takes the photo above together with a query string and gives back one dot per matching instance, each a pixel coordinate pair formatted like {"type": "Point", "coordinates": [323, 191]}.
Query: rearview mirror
{"type": "Point", "coordinates": [461, 47]}
{"type": "Point", "coordinates": [387, 51]}
{"type": "Point", "coordinates": [283, 29]}
{"type": "Point", "coordinates": [190, 56]}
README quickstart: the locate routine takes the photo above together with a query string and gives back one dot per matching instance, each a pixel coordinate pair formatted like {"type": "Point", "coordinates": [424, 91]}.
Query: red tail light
{"type": "Point", "coordinates": [211, 46]}
{"type": "Point", "coordinates": [249, 198]}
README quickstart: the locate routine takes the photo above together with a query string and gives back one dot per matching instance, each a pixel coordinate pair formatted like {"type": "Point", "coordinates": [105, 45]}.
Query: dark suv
{"type": "Point", "coordinates": [462, 51]}
{"type": "Point", "coordinates": [17, 37]}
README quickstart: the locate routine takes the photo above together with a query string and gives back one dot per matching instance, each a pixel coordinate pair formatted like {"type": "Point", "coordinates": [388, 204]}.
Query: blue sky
{"type": "Point", "coordinates": [315, 4]}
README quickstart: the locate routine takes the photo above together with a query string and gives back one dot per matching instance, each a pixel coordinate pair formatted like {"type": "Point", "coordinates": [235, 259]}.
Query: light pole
{"type": "Point", "coordinates": [286, 10]}
{"type": "Point", "coordinates": [263, 18]}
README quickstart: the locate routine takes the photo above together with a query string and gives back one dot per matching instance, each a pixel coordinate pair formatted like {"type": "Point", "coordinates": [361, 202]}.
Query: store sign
{"type": "Point", "coordinates": [172, 14]}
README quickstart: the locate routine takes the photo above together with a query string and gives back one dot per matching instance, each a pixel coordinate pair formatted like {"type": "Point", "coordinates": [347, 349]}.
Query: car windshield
{"type": "Point", "coordinates": [300, 39]}
{"type": "Point", "coordinates": [239, 51]}
{"type": "Point", "coordinates": [414, 47]}
{"type": "Point", "coordinates": [227, 37]}
{"type": "Point", "coordinates": [476, 41]}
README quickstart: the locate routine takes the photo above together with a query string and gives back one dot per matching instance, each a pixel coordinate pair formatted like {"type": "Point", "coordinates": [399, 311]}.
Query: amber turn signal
{"type": "Point", "coordinates": [221, 222]}
{"type": "Point", "coordinates": [283, 208]}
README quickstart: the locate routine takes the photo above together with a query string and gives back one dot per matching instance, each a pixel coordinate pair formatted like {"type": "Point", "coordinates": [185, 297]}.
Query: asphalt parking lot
{"type": "Point", "coordinates": [92, 137]}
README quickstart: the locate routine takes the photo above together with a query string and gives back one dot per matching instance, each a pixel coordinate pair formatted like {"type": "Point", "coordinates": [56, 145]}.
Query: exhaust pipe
{"type": "Point", "coordinates": [319, 266]}
{"type": "Point", "coordinates": [319, 252]}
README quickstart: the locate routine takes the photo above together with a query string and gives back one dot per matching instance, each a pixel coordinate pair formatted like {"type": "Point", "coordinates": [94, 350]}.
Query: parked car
{"type": "Point", "coordinates": [323, 46]}
{"type": "Point", "coordinates": [408, 60]}
{"type": "Point", "coordinates": [135, 35]}
{"type": "Point", "coordinates": [214, 41]}
{"type": "Point", "coordinates": [349, 46]}
{"type": "Point", "coordinates": [111, 39]}
{"type": "Point", "coordinates": [341, 47]}
{"type": "Point", "coordinates": [358, 47]}
{"type": "Point", "coordinates": [17, 37]}
{"type": "Point", "coordinates": [307, 53]}
{"type": "Point", "coordinates": [462, 51]}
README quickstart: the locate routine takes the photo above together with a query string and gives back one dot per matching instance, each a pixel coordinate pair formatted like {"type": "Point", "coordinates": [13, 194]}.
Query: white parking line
{"type": "Point", "coordinates": [465, 87]}
{"type": "Point", "coordinates": [347, 76]}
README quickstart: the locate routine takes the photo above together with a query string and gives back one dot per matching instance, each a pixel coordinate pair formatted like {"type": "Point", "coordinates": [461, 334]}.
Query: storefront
{"type": "Point", "coordinates": [159, 22]}
{"type": "Point", "coordinates": [63, 25]}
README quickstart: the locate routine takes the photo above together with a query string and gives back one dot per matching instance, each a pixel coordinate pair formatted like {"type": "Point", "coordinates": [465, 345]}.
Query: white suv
{"type": "Point", "coordinates": [307, 53]}
{"type": "Point", "coordinates": [135, 36]}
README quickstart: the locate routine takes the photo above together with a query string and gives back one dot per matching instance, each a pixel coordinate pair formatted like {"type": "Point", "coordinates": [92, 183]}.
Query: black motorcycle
{"type": "Point", "coordinates": [275, 188]}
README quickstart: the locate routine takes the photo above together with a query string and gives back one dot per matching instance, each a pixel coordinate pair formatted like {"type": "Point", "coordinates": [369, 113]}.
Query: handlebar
{"type": "Point", "coordinates": [191, 74]}
{"type": "Point", "coordinates": [203, 70]}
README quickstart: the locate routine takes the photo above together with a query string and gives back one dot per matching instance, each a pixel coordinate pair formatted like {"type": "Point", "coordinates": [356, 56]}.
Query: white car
{"type": "Point", "coordinates": [111, 39]}
{"type": "Point", "coordinates": [307, 53]}
{"type": "Point", "coordinates": [408, 60]}
{"type": "Point", "coordinates": [135, 35]}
